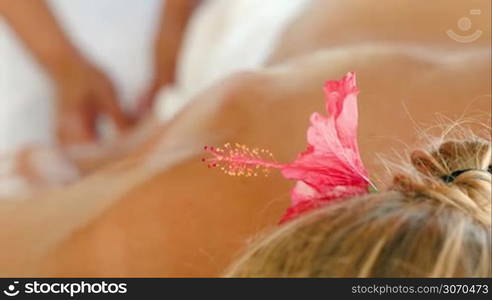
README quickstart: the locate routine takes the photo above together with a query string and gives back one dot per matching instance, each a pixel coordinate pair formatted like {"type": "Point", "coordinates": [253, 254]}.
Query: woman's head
{"type": "Point", "coordinates": [435, 220]}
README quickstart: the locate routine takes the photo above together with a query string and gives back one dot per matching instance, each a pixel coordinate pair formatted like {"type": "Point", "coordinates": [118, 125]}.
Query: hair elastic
{"type": "Point", "coordinates": [451, 177]}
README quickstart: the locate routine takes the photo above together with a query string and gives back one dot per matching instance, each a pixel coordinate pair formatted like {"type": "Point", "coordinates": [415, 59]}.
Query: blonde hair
{"type": "Point", "coordinates": [424, 225]}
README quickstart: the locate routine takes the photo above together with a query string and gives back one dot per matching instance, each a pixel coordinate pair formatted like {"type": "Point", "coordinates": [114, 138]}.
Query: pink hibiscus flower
{"type": "Point", "coordinates": [330, 168]}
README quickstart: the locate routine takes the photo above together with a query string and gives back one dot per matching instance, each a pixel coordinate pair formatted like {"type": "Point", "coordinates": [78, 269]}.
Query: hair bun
{"type": "Point", "coordinates": [453, 156]}
{"type": "Point", "coordinates": [456, 173]}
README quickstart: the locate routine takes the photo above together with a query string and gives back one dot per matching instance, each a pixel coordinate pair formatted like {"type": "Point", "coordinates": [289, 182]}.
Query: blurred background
{"type": "Point", "coordinates": [115, 35]}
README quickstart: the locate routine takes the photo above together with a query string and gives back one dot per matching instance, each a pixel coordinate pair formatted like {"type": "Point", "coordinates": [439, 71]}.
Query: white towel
{"type": "Point", "coordinates": [225, 37]}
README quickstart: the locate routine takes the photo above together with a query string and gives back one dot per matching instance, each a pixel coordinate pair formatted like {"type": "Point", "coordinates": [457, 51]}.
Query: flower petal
{"type": "Point", "coordinates": [331, 166]}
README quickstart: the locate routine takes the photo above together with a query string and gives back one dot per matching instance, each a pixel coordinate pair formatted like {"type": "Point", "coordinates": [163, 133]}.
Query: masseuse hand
{"type": "Point", "coordinates": [83, 91]}
{"type": "Point", "coordinates": [174, 19]}
{"type": "Point", "coordinates": [83, 94]}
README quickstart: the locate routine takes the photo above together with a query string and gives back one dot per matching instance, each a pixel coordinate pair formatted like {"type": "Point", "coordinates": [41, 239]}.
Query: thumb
{"type": "Point", "coordinates": [110, 106]}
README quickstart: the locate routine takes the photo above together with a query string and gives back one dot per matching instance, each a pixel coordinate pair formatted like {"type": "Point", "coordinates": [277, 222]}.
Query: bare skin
{"type": "Point", "coordinates": [186, 220]}
{"type": "Point", "coordinates": [403, 22]}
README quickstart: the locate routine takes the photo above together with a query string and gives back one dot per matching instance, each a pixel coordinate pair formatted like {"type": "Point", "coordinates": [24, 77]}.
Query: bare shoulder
{"type": "Point", "coordinates": [332, 24]}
